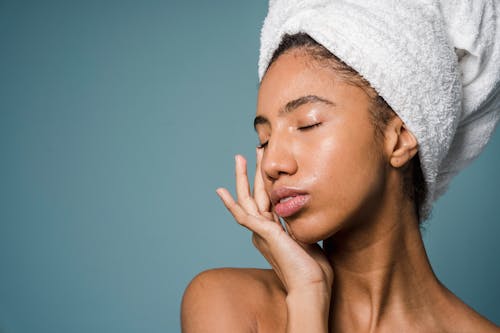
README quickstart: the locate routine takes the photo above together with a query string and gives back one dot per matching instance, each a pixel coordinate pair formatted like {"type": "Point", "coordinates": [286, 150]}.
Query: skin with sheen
{"type": "Point", "coordinates": [320, 168]}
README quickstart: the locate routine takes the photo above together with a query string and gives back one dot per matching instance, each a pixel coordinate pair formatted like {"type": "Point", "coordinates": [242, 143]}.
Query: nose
{"type": "Point", "coordinates": [278, 159]}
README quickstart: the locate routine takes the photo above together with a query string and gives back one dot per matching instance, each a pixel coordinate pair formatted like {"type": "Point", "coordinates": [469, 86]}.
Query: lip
{"type": "Point", "coordinates": [288, 201]}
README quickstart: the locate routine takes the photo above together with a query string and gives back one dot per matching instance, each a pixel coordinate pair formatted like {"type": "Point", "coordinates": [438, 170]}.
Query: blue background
{"type": "Point", "coordinates": [118, 119]}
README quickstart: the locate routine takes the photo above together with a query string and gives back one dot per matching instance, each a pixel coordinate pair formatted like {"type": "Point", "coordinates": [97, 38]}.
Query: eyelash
{"type": "Point", "coordinates": [303, 128]}
{"type": "Point", "coordinates": [308, 127]}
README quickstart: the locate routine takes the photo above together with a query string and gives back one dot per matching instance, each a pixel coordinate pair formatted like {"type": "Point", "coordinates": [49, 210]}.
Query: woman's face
{"type": "Point", "coordinates": [322, 166]}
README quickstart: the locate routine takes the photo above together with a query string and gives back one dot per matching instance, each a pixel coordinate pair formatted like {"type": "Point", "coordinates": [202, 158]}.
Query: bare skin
{"type": "Point", "coordinates": [372, 274]}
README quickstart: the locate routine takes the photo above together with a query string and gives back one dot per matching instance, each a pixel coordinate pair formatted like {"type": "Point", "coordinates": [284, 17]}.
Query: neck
{"type": "Point", "coordinates": [381, 271]}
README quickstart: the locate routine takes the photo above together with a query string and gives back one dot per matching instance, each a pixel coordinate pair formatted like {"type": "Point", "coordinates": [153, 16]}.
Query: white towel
{"type": "Point", "coordinates": [436, 63]}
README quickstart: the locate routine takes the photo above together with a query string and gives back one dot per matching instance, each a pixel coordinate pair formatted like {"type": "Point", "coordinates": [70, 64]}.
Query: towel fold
{"type": "Point", "coordinates": [436, 63]}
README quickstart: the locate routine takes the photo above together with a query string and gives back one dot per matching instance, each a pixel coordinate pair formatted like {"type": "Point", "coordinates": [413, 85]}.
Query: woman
{"type": "Point", "coordinates": [364, 114]}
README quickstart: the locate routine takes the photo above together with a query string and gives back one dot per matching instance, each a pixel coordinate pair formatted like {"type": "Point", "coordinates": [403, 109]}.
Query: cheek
{"type": "Point", "coordinates": [339, 157]}
{"type": "Point", "coordinates": [345, 167]}
{"type": "Point", "coordinates": [344, 175]}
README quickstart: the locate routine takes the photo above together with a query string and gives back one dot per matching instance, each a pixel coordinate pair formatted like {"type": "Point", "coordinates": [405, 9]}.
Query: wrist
{"type": "Point", "coordinates": [319, 297]}
{"type": "Point", "coordinates": [308, 310]}
{"type": "Point", "coordinates": [313, 291]}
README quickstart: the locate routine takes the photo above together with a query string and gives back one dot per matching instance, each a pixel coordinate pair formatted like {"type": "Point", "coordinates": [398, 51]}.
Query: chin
{"type": "Point", "coordinates": [305, 231]}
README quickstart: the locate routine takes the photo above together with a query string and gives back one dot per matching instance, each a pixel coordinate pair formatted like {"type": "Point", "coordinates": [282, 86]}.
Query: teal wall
{"type": "Point", "coordinates": [118, 120]}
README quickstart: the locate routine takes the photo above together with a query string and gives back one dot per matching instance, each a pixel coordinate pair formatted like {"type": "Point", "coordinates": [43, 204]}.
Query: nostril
{"type": "Point", "coordinates": [278, 160]}
{"type": "Point", "coordinates": [270, 176]}
{"type": "Point", "coordinates": [272, 170]}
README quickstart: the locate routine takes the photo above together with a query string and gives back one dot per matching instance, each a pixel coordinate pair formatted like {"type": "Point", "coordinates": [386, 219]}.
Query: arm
{"type": "Point", "coordinates": [302, 268]}
{"type": "Point", "coordinates": [308, 311]}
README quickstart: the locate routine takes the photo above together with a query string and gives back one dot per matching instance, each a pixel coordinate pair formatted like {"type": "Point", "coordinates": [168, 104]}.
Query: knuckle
{"type": "Point", "coordinates": [268, 215]}
{"type": "Point", "coordinates": [273, 231]}
{"type": "Point", "coordinates": [242, 220]}
{"type": "Point", "coordinates": [246, 200]}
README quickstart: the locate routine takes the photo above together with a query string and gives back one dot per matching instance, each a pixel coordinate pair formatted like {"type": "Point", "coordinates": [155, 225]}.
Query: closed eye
{"type": "Point", "coordinates": [308, 127]}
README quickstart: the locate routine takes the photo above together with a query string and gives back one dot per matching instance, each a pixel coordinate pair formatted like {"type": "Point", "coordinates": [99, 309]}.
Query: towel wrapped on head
{"type": "Point", "coordinates": [436, 63]}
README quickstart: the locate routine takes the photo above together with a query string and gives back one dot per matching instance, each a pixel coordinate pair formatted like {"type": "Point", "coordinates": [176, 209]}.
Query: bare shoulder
{"type": "Point", "coordinates": [234, 300]}
{"type": "Point", "coordinates": [462, 318]}
{"type": "Point", "coordinates": [474, 322]}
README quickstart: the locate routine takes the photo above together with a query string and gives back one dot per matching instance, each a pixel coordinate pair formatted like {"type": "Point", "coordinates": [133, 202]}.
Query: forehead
{"type": "Point", "coordinates": [295, 74]}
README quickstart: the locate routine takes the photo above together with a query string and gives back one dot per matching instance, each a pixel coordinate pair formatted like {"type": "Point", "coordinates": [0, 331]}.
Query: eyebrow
{"type": "Point", "coordinates": [292, 106]}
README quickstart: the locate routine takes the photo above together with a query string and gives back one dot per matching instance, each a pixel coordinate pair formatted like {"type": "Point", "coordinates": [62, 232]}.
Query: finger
{"type": "Point", "coordinates": [272, 217]}
{"type": "Point", "coordinates": [240, 215]}
{"type": "Point", "coordinates": [259, 192]}
{"type": "Point", "coordinates": [243, 187]}
{"type": "Point", "coordinates": [287, 228]}
{"type": "Point", "coordinates": [276, 219]}
{"type": "Point", "coordinates": [234, 208]}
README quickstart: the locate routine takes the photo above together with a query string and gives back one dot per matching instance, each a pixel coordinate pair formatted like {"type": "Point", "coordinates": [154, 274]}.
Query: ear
{"type": "Point", "coordinates": [401, 144]}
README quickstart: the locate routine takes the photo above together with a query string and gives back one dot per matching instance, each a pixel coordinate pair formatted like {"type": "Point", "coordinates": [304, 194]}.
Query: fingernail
{"type": "Point", "coordinates": [239, 158]}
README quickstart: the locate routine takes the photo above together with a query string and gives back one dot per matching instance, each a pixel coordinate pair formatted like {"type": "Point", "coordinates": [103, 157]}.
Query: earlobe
{"type": "Point", "coordinates": [403, 144]}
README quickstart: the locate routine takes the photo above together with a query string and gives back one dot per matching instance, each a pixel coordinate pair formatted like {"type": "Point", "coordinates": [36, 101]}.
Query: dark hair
{"type": "Point", "coordinates": [414, 185]}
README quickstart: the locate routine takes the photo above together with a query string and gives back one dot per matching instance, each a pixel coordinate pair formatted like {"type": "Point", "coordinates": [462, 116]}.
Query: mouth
{"type": "Point", "coordinates": [287, 201]}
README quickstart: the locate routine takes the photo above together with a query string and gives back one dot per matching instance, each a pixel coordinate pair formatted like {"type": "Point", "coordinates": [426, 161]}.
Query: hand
{"type": "Point", "coordinates": [302, 268]}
